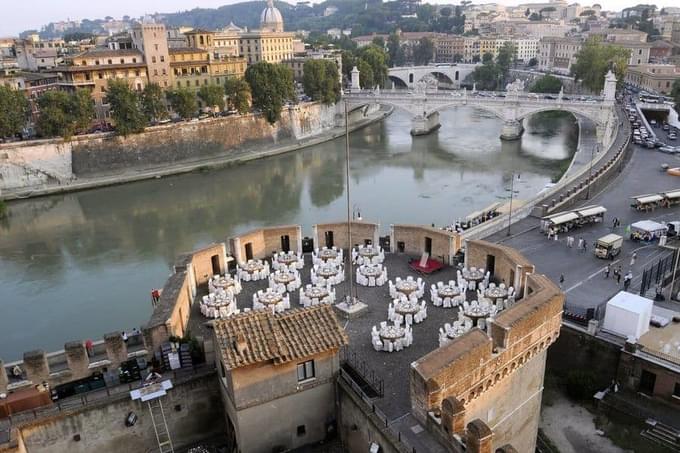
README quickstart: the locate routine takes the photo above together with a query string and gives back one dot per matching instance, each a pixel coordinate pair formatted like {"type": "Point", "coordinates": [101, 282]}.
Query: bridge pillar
{"type": "Point", "coordinates": [512, 130]}
{"type": "Point", "coordinates": [424, 124]}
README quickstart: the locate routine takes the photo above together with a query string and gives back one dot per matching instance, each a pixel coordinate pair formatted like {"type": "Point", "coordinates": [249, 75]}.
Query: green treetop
{"type": "Point", "coordinates": [271, 86]}
{"type": "Point", "coordinates": [321, 81]}
{"type": "Point", "coordinates": [14, 111]}
{"type": "Point", "coordinates": [126, 109]}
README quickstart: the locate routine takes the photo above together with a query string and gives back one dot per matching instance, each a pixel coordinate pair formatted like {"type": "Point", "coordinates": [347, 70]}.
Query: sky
{"type": "Point", "coordinates": [18, 16]}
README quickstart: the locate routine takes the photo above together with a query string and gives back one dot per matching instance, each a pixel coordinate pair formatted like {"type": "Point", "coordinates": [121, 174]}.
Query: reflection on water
{"type": "Point", "coordinates": [80, 265]}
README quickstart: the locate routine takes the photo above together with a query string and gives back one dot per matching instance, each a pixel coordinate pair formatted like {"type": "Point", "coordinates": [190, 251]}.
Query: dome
{"type": "Point", "coordinates": [271, 18]}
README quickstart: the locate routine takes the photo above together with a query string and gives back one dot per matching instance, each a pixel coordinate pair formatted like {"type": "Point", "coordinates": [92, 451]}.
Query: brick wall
{"type": "Point", "coordinates": [445, 244]}
{"type": "Point", "coordinates": [264, 241]}
{"type": "Point", "coordinates": [361, 232]}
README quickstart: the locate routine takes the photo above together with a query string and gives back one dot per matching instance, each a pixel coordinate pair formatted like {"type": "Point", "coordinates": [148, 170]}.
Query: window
{"type": "Point", "coordinates": [305, 370]}
{"type": "Point", "coordinates": [134, 60]}
{"type": "Point", "coordinates": [153, 59]}
{"type": "Point", "coordinates": [162, 58]}
{"type": "Point", "coordinates": [122, 61]}
{"type": "Point", "coordinates": [301, 430]}
{"type": "Point", "coordinates": [155, 46]}
{"type": "Point", "coordinates": [109, 61]}
{"type": "Point", "coordinates": [155, 72]}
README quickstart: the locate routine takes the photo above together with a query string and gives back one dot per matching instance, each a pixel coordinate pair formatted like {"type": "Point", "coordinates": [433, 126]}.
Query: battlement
{"type": "Point", "coordinates": [469, 377]}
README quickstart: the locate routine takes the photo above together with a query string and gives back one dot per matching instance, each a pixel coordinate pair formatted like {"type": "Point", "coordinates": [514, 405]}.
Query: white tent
{"type": "Point", "coordinates": [628, 315]}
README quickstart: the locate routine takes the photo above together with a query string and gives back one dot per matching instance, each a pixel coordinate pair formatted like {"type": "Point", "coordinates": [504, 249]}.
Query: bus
{"type": "Point", "coordinates": [649, 98]}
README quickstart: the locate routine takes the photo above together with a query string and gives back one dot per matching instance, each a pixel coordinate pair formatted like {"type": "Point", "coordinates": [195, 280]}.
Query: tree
{"type": "Point", "coordinates": [238, 94]}
{"type": "Point", "coordinates": [595, 59]}
{"type": "Point", "coordinates": [183, 102]}
{"type": "Point", "coordinates": [505, 58]}
{"type": "Point", "coordinates": [14, 111]}
{"type": "Point", "coordinates": [457, 58]}
{"type": "Point", "coordinates": [377, 59]}
{"type": "Point", "coordinates": [445, 11]}
{"type": "Point", "coordinates": [487, 58]}
{"type": "Point", "coordinates": [527, 13]}
{"type": "Point", "coordinates": [271, 86]}
{"type": "Point", "coordinates": [379, 41]}
{"type": "Point", "coordinates": [153, 102]}
{"type": "Point", "coordinates": [348, 63]}
{"type": "Point", "coordinates": [395, 51]}
{"type": "Point", "coordinates": [321, 82]}
{"type": "Point", "coordinates": [475, 58]}
{"type": "Point", "coordinates": [535, 17]}
{"type": "Point", "coordinates": [212, 96]}
{"type": "Point", "coordinates": [547, 84]}
{"type": "Point", "coordinates": [486, 76]}
{"type": "Point", "coordinates": [365, 74]}
{"type": "Point", "coordinates": [423, 52]}
{"type": "Point", "coordinates": [533, 62]}
{"type": "Point", "coordinates": [126, 110]}
{"type": "Point", "coordinates": [63, 114]}
{"type": "Point", "coordinates": [675, 94]}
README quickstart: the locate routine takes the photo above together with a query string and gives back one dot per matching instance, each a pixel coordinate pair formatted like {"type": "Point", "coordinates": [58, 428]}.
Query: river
{"type": "Point", "coordinates": [80, 265]}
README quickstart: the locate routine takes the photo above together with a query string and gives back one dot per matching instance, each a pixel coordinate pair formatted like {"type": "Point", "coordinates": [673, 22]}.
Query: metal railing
{"type": "Point", "coordinates": [359, 366]}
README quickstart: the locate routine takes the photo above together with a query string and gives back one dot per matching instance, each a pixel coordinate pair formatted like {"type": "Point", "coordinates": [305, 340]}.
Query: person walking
{"type": "Point", "coordinates": [570, 241]}
{"type": "Point", "coordinates": [618, 275]}
{"type": "Point", "coordinates": [585, 246]}
{"type": "Point", "coordinates": [561, 280]}
{"type": "Point", "coordinates": [89, 347]}
{"type": "Point", "coordinates": [124, 335]}
{"type": "Point", "coordinates": [626, 280]}
{"type": "Point", "coordinates": [580, 243]}
{"type": "Point", "coordinates": [633, 258]}
{"type": "Point", "coordinates": [607, 270]}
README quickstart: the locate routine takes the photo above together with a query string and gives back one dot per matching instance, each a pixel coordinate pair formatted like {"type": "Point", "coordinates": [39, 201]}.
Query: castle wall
{"type": "Point", "coordinates": [193, 411]}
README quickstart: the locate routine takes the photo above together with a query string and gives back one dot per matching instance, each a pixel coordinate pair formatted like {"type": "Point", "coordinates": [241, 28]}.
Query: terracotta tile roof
{"type": "Point", "coordinates": [260, 336]}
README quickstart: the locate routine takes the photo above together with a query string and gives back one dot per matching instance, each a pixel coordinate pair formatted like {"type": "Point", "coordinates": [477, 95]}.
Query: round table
{"type": "Point", "coordinates": [371, 270]}
{"type": "Point", "coordinates": [496, 293]}
{"type": "Point", "coordinates": [223, 282]}
{"type": "Point", "coordinates": [270, 298]}
{"type": "Point", "coordinates": [406, 286]}
{"type": "Point", "coordinates": [328, 254]}
{"type": "Point", "coordinates": [287, 258]}
{"type": "Point", "coordinates": [407, 308]}
{"type": "Point", "coordinates": [368, 251]}
{"type": "Point", "coordinates": [284, 277]}
{"type": "Point", "coordinates": [252, 266]}
{"type": "Point", "coordinates": [327, 270]}
{"type": "Point", "coordinates": [316, 292]}
{"type": "Point", "coordinates": [392, 333]}
{"type": "Point", "coordinates": [476, 312]}
{"type": "Point", "coordinates": [456, 332]}
{"type": "Point", "coordinates": [475, 276]}
{"type": "Point", "coordinates": [448, 291]}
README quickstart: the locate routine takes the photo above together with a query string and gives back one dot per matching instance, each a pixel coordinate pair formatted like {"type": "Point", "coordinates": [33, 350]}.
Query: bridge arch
{"type": "Point", "coordinates": [590, 114]}
{"type": "Point", "coordinates": [486, 108]}
{"type": "Point", "coordinates": [398, 81]}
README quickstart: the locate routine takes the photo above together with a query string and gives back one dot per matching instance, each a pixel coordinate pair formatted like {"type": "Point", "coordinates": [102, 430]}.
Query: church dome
{"type": "Point", "coordinates": [271, 18]}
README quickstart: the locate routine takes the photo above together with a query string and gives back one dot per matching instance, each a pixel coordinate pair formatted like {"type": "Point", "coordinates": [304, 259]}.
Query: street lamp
{"type": "Point", "coordinates": [351, 297]}
{"type": "Point", "coordinates": [512, 192]}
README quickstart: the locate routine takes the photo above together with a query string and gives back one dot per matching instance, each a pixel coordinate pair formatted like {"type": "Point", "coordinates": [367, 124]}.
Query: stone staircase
{"type": "Point", "coordinates": [662, 435]}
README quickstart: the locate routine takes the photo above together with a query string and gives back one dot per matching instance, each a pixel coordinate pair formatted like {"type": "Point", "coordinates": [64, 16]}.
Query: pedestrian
{"type": "Point", "coordinates": [580, 243]}
{"type": "Point", "coordinates": [626, 280]}
{"type": "Point", "coordinates": [570, 241]}
{"type": "Point", "coordinates": [618, 275]}
{"type": "Point", "coordinates": [633, 258]}
{"type": "Point", "coordinates": [550, 233]}
{"type": "Point", "coordinates": [585, 246]}
{"type": "Point", "coordinates": [125, 337]}
{"type": "Point", "coordinates": [614, 223]}
{"type": "Point", "coordinates": [561, 280]}
{"type": "Point", "coordinates": [89, 348]}
{"type": "Point", "coordinates": [607, 270]}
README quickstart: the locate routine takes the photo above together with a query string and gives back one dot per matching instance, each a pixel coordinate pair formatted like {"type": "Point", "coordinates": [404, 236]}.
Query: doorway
{"type": "Point", "coordinates": [647, 382]}
{"type": "Point", "coordinates": [490, 264]}
{"type": "Point", "coordinates": [428, 246]}
{"type": "Point", "coordinates": [249, 251]}
{"type": "Point", "coordinates": [329, 239]}
{"type": "Point", "coordinates": [215, 260]}
{"type": "Point", "coordinates": [285, 243]}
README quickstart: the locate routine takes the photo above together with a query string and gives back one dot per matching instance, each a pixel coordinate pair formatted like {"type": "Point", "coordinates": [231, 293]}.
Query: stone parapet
{"type": "Point", "coordinates": [77, 359]}
{"type": "Point", "coordinates": [116, 349]}
{"type": "Point", "coordinates": [3, 377]}
{"type": "Point", "coordinates": [35, 366]}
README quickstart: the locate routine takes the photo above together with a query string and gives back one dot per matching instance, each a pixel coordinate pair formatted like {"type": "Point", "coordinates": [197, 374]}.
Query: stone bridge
{"type": "Point", "coordinates": [512, 106]}
{"type": "Point", "coordinates": [449, 75]}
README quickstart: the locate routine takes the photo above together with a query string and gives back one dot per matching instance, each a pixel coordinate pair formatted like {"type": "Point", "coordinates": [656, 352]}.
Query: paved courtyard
{"type": "Point", "coordinates": [394, 367]}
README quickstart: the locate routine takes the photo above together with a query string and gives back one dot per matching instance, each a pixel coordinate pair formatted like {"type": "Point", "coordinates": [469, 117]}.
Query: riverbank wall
{"type": "Point", "coordinates": [44, 167]}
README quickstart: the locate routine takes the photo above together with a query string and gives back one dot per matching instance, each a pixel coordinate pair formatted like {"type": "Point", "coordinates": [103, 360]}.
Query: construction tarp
{"type": "Point", "coordinates": [628, 315]}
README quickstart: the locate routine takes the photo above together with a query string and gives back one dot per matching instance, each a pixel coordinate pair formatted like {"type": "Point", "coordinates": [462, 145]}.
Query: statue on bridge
{"type": "Point", "coordinates": [515, 87]}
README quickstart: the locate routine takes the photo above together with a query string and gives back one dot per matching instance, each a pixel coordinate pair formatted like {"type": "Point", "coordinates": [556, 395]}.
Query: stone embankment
{"type": "Point", "coordinates": [43, 167]}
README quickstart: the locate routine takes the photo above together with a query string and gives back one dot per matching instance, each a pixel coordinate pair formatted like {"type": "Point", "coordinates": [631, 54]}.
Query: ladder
{"type": "Point", "coordinates": [160, 426]}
